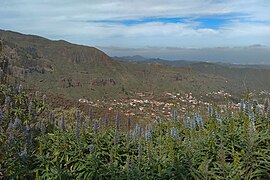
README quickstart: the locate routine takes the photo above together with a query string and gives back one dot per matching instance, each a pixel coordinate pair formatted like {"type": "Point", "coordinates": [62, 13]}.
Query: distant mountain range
{"type": "Point", "coordinates": [179, 63]}
{"type": "Point", "coordinates": [76, 71]}
{"type": "Point", "coordinates": [141, 59]}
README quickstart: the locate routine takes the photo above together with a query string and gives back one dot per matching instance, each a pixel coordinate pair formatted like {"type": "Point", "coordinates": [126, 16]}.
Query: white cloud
{"type": "Point", "coordinates": [73, 20]}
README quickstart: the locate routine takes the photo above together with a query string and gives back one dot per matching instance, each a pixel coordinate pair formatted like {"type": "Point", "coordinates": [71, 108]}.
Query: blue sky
{"type": "Point", "coordinates": [204, 22]}
{"type": "Point", "coordinates": [142, 24]}
{"type": "Point", "coordinates": [130, 22]}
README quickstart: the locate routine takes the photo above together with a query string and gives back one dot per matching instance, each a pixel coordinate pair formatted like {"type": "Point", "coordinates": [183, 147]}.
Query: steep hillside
{"type": "Point", "coordinates": [241, 79]}
{"type": "Point", "coordinates": [61, 67]}
{"type": "Point", "coordinates": [76, 71]}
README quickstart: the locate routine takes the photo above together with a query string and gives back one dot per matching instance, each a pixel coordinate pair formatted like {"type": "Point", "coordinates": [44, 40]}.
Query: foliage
{"type": "Point", "coordinates": [228, 145]}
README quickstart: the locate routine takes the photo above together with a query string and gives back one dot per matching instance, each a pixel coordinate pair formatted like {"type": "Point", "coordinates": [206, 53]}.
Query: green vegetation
{"type": "Point", "coordinates": [75, 71]}
{"type": "Point", "coordinates": [229, 145]}
{"type": "Point", "coordinates": [38, 142]}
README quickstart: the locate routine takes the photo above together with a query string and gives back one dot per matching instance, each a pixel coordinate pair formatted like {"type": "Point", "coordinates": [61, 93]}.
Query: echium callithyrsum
{"type": "Point", "coordinates": [27, 129]}
{"type": "Point", "coordinates": [20, 88]}
{"type": "Point", "coordinates": [10, 139]}
{"type": "Point", "coordinates": [28, 135]}
{"type": "Point", "coordinates": [174, 115]}
{"type": "Point", "coordinates": [199, 120]}
{"type": "Point", "coordinates": [62, 123]}
{"type": "Point", "coordinates": [42, 127]}
{"type": "Point", "coordinates": [218, 118]}
{"type": "Point", "coordinates": [192, 123]}
{"type": "Point", "coordinates": [127, 137]}
{"type": "Point", "coordinates": [242, 105]}
{"type": "Point", "coordinates": [117, 120]}
{"type": "Point", "coordinates": [128, 122]}
{"type": "Point", "coordinates": [95, 127]}
{"type": "Point", "coordinates": [133, 134]}
{"type": "Point", "coordinates": [252, 123]}
{"type": "Point", "coordinates": [174, 132]}
{"type": "Point", "coordinates": [148, 133]}
{"type": "Point", "coordinates": [186, 121]}
{"type": "Point", "coordinates": [23, 153]}
{"type": "Point", "coordinates": [91, 148]}
{"type": "Point", "coordinates": [159, 121]}
{"type": "Point", "coordinates": [7, 100]}
{"type": "Point", "coordinates": [137, 129]}
{"type": "Point", "coordinates": [77, 131]}
{"type": "Point", "coordinates": [51, 118]}
{"type": "Point", "coordinates": [17, 123]}
{"type": "Point", "coordinates": [81, 120]}
{"type": "Point", "coordinates": [247, 107]}
{"type": "Point", "coordinates": [78, 115]}
{"type": "Point", "coordinates": [258, 108]}
{"type": "Point", "coordinates": [10, 126]}
{"type": "Point", "coordinates": [210, 110]}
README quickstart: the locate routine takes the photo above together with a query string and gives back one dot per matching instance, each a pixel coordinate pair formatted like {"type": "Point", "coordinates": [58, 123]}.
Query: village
{"type": "Point", "coordinates": [144, 105]}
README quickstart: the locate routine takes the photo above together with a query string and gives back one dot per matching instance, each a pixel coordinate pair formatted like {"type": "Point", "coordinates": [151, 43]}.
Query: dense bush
{"type": "Point", "coordinates": [229, 145]}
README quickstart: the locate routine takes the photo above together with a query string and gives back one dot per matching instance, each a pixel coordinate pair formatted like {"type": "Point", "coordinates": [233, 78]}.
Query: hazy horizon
{"type": "Point", "coordinates": [235, 55]}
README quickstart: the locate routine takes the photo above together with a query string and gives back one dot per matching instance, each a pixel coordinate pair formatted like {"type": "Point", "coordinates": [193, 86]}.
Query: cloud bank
{"type": "Point", "coordinates": [140, 24]}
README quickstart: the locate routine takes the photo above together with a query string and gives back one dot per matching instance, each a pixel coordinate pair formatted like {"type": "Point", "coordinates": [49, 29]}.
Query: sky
{"type": "Point", "coordinates": [214, 30]}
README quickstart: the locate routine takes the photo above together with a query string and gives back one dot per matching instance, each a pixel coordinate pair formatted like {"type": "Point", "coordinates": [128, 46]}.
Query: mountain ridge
{"type": "Point", "coordinates": [76, 71]}
{"type": "Point", "coordinates": [142, 59]}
